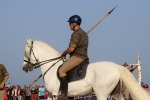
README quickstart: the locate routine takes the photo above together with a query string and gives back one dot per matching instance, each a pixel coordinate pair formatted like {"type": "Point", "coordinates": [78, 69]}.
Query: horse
{"type": "Point", "coordinates": [104, 77]}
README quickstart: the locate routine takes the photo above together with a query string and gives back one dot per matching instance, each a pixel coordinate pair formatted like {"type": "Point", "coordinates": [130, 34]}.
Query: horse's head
{"type": "Point", "coordinates": [37, 53]}
{"type": "Point", "coordinates": [30, 58]}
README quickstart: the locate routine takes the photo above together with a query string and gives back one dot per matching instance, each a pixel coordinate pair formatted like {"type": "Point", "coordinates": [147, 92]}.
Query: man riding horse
{"type": "Point", "coordinates": [77, 50]}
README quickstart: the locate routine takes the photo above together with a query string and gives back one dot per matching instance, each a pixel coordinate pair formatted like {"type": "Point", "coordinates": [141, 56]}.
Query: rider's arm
{"type": "Point", "coordinates": [134, 67]}
{"type": "Point", "coordinates": [75, 38]}
{"type": "Point", "coordinates": [68, 51]}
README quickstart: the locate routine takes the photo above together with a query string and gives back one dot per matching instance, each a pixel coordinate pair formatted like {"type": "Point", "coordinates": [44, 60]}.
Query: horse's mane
{"type": "Point", "coordinates": [46, 44]}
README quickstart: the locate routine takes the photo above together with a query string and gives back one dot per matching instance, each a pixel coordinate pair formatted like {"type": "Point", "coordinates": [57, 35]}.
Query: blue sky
{"type": "Point", "coordinates": [119, 38]}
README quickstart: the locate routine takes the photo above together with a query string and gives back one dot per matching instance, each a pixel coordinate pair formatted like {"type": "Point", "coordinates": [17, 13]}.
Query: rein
{"type": "Point", "coordinates": [44, 72]}
{"type": "Point", "coordinates": [38, 64]}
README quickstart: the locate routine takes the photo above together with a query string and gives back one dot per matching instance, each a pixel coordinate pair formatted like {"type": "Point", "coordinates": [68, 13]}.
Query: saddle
{"type": "Point", "coordinates": [78, 72]}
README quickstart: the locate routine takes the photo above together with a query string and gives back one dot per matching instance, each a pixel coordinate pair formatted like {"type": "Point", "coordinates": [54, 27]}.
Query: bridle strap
{"type": "Point", "coordinates": [33, 52]}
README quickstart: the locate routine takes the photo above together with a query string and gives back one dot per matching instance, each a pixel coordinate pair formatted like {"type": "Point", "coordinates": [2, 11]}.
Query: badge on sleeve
{"type": "Point", "coordinates": [73, 35]}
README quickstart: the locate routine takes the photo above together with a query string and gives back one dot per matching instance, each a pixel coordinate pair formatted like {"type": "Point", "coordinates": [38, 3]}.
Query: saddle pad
{"type": "Point", "coordinates": [75, 74]}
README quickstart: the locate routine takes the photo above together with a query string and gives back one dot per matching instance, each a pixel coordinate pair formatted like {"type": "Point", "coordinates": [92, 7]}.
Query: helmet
{"type": "Point", "coordinates": [75, 19]}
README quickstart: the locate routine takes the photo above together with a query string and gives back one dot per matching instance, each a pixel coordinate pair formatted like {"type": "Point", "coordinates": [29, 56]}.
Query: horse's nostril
{"type": "Point", "coordinates": [23, 69]}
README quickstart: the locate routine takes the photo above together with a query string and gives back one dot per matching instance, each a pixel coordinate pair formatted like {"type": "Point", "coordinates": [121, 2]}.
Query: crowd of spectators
{"type": "Point", "coordinates": [40, 93]}
{"type": "Point", "coordinates": [25, 93]}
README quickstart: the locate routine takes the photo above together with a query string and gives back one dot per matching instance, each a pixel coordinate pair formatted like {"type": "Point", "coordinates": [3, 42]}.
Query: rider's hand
{"type": "Point", "coordinates": [63, 54]}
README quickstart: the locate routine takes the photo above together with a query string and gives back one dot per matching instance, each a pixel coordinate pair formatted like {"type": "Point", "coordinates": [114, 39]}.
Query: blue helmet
{"type": "Point", "coordinates": [75, 19]}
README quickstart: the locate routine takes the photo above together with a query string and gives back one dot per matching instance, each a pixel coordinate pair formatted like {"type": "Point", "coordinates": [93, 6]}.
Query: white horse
{"type": "Point", "coordinates": [103, 77]}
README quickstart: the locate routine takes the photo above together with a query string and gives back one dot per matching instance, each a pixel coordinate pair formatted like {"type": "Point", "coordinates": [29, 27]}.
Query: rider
{"type": "Point", "coordinates": [77, 50]}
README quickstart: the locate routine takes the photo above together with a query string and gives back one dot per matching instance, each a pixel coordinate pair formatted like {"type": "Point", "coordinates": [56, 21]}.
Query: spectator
{"type": "Point", "coordinates": [94, 96]}
{"type": "Point", "coordinates": [6, 93]}
{"type": "Point", "coordinates": [30, 93]}
{"type": "Point", "coordinates": [143, 85]}
{"type": "Point", "coordinates": [42, 93]}
{"type": "Point", "coordinates": [131, 69]}
{"type": "Point", "coordinates": [36, 92]}
{"type": "Point", "coordinates": [3, 78]}
{"type": "Point", "coordinates": [9, 93]}
{"type": "Point", "coordinates": [46, 95]}
{"type": "Point", "coordinates": [146, 87]}
{"type": "Point", "coordinates": [39, 87]}
{"type": "Point", "coordinates": [33, 93]}
{"type": "Point", "coordinates": [9, 84]}
{"type": "Point", "coordinates": [14, 93]}
{"type": "Point", "coordinates": [19, 93]}
{"type": "Point", "coordinates": [24, 93]}
{"type": "Point", "coordinates": [27, 93]}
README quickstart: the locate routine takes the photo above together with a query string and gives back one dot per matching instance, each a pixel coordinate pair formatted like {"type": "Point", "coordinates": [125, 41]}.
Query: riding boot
{"type": "Point", "coordinates": [63, 88]}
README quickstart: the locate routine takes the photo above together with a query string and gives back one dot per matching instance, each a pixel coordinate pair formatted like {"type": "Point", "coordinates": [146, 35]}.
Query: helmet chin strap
{"type": "Point", "coordinates": [74, 27]}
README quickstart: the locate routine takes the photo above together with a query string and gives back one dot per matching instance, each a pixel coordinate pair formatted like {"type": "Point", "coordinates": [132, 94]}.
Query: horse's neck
{"type": "Point", "coordinates": [46, 52]}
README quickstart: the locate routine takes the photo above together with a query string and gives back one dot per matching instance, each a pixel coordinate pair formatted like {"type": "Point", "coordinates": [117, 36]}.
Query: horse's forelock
{"type": "Point", "coordinates": [29, 41]}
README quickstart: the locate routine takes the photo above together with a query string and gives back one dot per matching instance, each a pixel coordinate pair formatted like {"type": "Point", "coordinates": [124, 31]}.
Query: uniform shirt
{"type": "Point", "coordinates": [3, 73]}
{"type": "Point", "coordinates": [79, 41]}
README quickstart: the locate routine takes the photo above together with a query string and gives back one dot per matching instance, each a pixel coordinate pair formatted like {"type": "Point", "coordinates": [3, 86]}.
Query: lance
{"type": "Point", "coordinates": [87, 33]}
{"type": "Point", "coordinates": [101, 20]}
{"type": "Point", "coordinates": [35, 80]}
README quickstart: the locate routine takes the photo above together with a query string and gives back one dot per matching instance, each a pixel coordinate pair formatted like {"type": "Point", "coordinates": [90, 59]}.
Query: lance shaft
{"type": "Point", "coordinates": [35, 80]}
{"type": "Point", "coordinates": [101, 20]}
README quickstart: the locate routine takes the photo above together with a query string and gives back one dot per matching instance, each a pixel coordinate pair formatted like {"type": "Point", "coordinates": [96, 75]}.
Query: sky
{"type": "Point", "coordinates": [123, 35]}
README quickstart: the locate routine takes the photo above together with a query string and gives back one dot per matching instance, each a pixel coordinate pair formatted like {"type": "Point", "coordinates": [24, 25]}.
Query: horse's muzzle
{"type": "Point", "coordinates": [27, 68]}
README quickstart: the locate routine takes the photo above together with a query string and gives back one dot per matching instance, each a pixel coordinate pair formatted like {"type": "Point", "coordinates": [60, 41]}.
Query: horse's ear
{"type": "Point", "coordinates": [28, 41]}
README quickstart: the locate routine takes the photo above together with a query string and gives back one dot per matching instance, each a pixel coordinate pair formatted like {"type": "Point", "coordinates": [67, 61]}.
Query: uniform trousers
{"type": "Point", "coordinates": [71, 63]}
{"type": "Point", "coordinates": [1, 94]}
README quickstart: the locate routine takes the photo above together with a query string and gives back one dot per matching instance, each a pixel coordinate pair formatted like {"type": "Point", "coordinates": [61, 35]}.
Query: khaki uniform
{"type": "Point", "coordinates": [79, 41]}
{"type": "Point", "coordinates": [3, 74]}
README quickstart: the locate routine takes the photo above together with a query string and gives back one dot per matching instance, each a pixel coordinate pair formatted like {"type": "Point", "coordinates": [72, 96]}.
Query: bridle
{"type": "Point", "coordinates": [38, 64]}
{"type": "Point", "coordinates": [28, 61]}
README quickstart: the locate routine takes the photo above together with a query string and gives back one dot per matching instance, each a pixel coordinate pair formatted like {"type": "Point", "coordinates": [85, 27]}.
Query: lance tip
{"type": "Point", "coordinates": [110, 11]}
{"type": "Point", "coordinates": [115, 7]}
